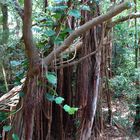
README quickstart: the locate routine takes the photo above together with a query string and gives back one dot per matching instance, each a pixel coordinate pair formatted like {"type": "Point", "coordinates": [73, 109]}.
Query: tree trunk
{"type": "Point", "coordinates": [5, 33]}
{"type": "Point", "coordinates": [4, 42]}
{"type": "Point", "coordinates": [3, 45]}
{"type": "Point", "coordinates": [33, 121]}
{"type": "Point", "coordinates": [39, 119]}
{"type": "Point", "coordinates": [88, 82]}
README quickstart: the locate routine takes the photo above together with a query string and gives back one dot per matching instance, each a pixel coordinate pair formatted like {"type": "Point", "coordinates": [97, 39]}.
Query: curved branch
{"type": "Point", "coordinates": [78, 61]}
{"type": "Point", "coordinates": [85, 27]}
{"type": "Point", "coordinates": [128, 17]}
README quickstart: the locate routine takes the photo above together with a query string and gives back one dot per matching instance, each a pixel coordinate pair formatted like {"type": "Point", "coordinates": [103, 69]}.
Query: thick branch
{"type": "Point", "coordinates": [18, 9]}
{"type": "Point", "coordinates": [31, 50]}
{"type": "Point", "coordinates": [128, 17]}
{"type": "Point", "coordinates": [82, 29]}
{"type": "Point", "coordinates": [10, 94]}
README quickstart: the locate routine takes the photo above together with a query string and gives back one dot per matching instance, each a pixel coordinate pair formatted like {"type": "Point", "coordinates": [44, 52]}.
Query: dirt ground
{"type": "Point", "coordinates": [122, 122]}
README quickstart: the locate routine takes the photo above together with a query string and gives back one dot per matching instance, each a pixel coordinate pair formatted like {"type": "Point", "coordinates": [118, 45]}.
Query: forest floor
{"type": "Point", "coordinates": [122, 121]}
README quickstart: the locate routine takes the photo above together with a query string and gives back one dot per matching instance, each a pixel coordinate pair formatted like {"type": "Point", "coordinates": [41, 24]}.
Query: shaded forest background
{"type": "Point", "coordinates": [69, 70]}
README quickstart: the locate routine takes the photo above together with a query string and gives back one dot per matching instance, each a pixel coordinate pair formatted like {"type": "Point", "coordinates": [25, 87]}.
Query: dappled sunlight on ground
{"type": "Point", "coordinates": [122, 121]}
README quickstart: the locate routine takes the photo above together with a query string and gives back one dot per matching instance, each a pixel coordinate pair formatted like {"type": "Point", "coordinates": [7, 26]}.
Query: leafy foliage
{"type": "Point", "coordinates": [51, 77]}
{"type": "Point", "coordinates": [125, 72]}
{"type": "Point", "coordinates": [15, 136]}
{"type": "Point", "coordinates": [53, 96]}
{"type": "Point", "coordinates": [50, 97]}
{"type": "Point", "coordinates": [70, 110]}
{"type": "Point", "coordinates": [75, 13]}
{"type": "Point", "coordinates": [7, 128]}
{"type": "Point", "coordinates": [126, 76]}
{"type": "Point", "coordinates": [3, 115]}
{"type": "Point", "coordinates": [59, 100]}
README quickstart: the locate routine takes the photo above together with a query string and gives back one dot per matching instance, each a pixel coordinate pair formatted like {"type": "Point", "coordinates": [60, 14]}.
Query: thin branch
{"type": "Point", "coordinates": [84, 28]}
{"type": "Point", "coordinates": [78, 61]}
{"type": "Point", "coordinates": [128, 17]}
{"type": "Point", "coordinates": [74, 50]}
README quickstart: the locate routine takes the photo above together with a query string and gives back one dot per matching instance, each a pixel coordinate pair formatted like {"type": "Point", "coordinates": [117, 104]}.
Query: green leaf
{"type": "Point", "coordinates": [15, 63]}
{"type": "Point", "coordinates": [49, 23]}
{"type": "Point", "coordinates": [58, 41]}
{"type": "Point", "coordinates": [65, 32]}
{"type": "Point", "coordinates": [49, 97]}
{"type": "Point", "coordinates": [57, 8]}
{"type": "Point", "coordinates": [3, 116]}
{"type": "Point", "coordinates": [59, 100]}
{"type": "Point", "coordinates": [49, 33]}
{"type": "Point", "coordinates": [21, 94]}
{"type": "Point", "coordinates": [130, 4]}
{"type": "Point", "coordinates": [66, 108]}
{"type": "Point", "coordinates": [21, 1]}
{"type": "Point", "coordinates": [36, 29]}
{"type": "Point", "coordinates": [75, 13]}
{"type": "Point", "coordinates": [85, 7]}
{"type": "Point", "coordinates": [68, 30]}
{"type": "Point", "coordinates": [59, 1]}
{"type": "Point", "coordinates": [15, 136]}
{"type": "Point", "coordinates": [72, 110]}
{"type": "Point", "coordinates": [7, 128]}
{"type": "Point", "coordinates": [57, 15]}
{"type": "Point", "coordinates": [51, 78]}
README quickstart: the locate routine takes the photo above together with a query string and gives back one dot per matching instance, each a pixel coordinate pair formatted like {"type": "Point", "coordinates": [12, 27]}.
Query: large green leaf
{"type": "Point", "coordinates": [84, 7]}
{"type": "Point", "coordinates": [7, 128]}
{"type": "Point", "coordinates": [75, 13]}
{"type": "Point", "coordinates": [68, 30]}
{"type": "Point", "coordinates": [66, 108]}
{"type": "Point", "coordinates": [49, 97]}
{"type": "Point", "coordinates": [15, 63]}
{"type": "Point", "coordinates": [58, 41]}
{"type": "Point", "coordinates": [59, 1]}
{"type": "Point", "coordinates": [3, 116]}
{"type": "Point", "coordinates": [15, 136]}
{"type": "Point", "coordinates": [59, 100]}
{"type": "Point", "coordinates": [21, 94]}
{"type": "Point", "coordinates": [51, 77]}
{"type": "Point", "coordinates": [70, 110]}
{"type": "Point", "coordinates": [49, 33]}
{"type": "Point", "coordinates": [36, 29]}
{"type": "Point", "coordinates": [57, 8]}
